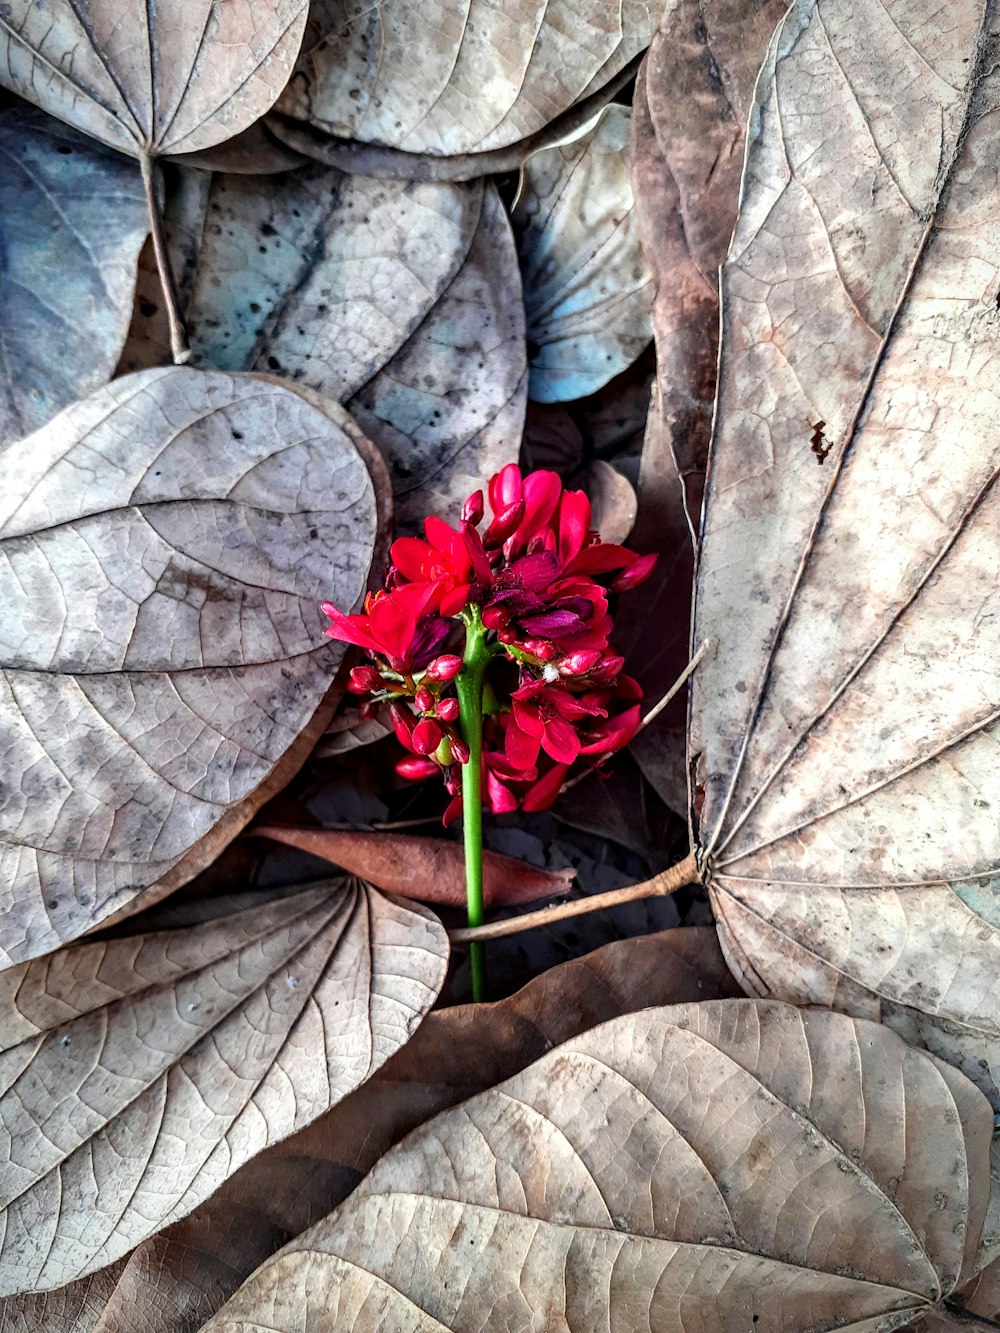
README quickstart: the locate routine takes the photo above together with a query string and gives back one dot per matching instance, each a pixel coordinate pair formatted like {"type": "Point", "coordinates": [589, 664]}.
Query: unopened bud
{"type": "Point", "coordinates": [364, 680]}
{"type": "Point", "coordinates": [507, 635]}
{"type": "Point", "coordinates": [505, 523]}
{"type": "Point", "coordinates": [540, 648]}
{"type": "Point", "coordinates": [424, 700]}
{"type": "Point", "coordinates": [445, 667]}
{"type": "Point", "coordinates": [426, 736]}
{"type": "Point", "coordinates": [607, 670]}
{"type": "Point", "coordinates": [459, 750]}
{"type": "Point", "coordinates": [495, 617]}
{"type": "Point", "coordinates": [473, 509]}
{"type": "Point", "coordinates": [416, 768]}
{"type": "Point", "coordinates": [580, 662]}
{"type": "Point", "coordinates": [447, 710]}
{"type": "Point", "coordinates": [402, 721]}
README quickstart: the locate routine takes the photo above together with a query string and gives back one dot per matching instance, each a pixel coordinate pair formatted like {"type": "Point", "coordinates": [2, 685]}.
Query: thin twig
{"type": "Point", "coordinates": [179, 348]}
{"type": "Point", "coordinates": [667, 882]}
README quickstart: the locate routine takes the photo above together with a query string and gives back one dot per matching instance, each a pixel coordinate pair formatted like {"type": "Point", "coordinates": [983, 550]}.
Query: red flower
{"type": "Point", "coordinates": [542, 717]}
{"type": "Point", "coordinates": [389, 626]}
{"type": "Point", "coordinates": [442, 560]}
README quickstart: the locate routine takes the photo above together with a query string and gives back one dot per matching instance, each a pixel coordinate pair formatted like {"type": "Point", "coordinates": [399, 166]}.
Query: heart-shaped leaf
{"type": "Point", "coordinates": [587, 288]}
{"type": "Point", "coordinates": [72, 222]}
{"type": "Point", "coordinates": [165, 544]}
{"type": "Point", "coordinates": [176, 1280]}
{"type": "Point", "coordinates": [173, 77]}
{"type": "Point", "coordinates": [457, 77]}
{"type": "Point", "coordinates": [142, 1071]}
{"type": "Point", "coordinates": [844, 730]}
{"type": "Point", "coordinates": [728, 1165]}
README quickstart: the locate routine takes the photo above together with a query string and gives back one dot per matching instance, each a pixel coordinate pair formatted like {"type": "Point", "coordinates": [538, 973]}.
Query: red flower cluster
{"type": "Point", "coordinates": [529, 586]}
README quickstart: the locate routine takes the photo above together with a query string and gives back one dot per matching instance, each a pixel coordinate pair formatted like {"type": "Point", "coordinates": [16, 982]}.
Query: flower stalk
{"type": "Point", "coordinates": [469, 685]}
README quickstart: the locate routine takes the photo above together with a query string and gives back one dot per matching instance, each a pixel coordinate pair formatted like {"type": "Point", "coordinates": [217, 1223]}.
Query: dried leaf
{"type": "Point", "coordinates": [714, 1166]}
{"type": "Point", "coordinates": [176, 1280]}
{"type": "Point", "coordinates": [452, 78]}
{"type": "Point", "coordinates": [166, 543]}
{"type": "Point", "coordinates": [173, 77]}
{"type": "Point", "coordinates": [72, 222]}
{"type": "Point", "coordinates": [587, 289]}
{"type": "Point", "coordinates": [844, 732]}
{"type": "Point", "coordinates": [430, 870]}
{"type": "Point", "coordinates": [400, 301]}
{"type": "Point", "coordinates": [247, 1026]}
{"type": "Point", "coordinates": [612, 500]}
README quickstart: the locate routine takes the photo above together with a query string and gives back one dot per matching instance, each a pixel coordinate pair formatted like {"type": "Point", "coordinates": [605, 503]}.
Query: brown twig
{"type": "Point", "coordinates": [179, 348]}
{"type": "Point", "coordinates": [667, 882]}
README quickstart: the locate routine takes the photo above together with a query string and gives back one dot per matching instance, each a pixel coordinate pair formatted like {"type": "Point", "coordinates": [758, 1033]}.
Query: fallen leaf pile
{"type": "Point", "coordinates": [278, 280]}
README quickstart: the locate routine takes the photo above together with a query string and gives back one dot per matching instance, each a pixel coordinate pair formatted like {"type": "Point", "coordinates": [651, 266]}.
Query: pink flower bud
{"type": "Point", "coordinates": [473, 509]}
{"type": "Point", "coordinates": [495, 617]}
{"type": "Point", "coordinates": [578, 663]}
{"type": "Point", "coordinates": [445, 667]}
{"type": "Point", "coordinates": [402, 721]}
{"type": "Point", "coordinates": [448, 710]}
{"type": "Point", "coordinates": [426, 736]}
{"type": "Point", "coordinates": [504, 525]}
{"type": "Point", "coordinates": [424, 700]}
{"type": "Point", "coordinates": [540, 648]}
{"type": "Point", "coordinates": [606, 670]}
{"type": "Point", "coordinates": [416, 768]}
{"type": "Point", "coordinates": [459, 750]}
{"type": "Point", "coordinates": [634, 574]}
{"type": "Point", "coordinates": [507, 636]}
{"type": "Point", "coordinates": [364, 680]}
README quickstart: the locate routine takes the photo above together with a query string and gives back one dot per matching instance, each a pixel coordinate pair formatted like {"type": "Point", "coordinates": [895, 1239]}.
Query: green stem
{"type": "Point", "coordinates": [469, 684]}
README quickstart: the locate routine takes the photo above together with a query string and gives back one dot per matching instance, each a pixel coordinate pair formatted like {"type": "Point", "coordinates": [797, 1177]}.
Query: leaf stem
{"type": "Point", "coordinates": [179, 348]}
{"type": "Point", "coordinates": [668, 881]}
{"type": "Point", "coordinates": [469, 685]}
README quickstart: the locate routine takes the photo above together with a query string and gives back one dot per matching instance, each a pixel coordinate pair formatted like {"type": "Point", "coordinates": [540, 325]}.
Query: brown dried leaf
{"type": "Point", "coordinates": [449, 78]}
{"type": "Point", "coordinates": [166, 543]}
{"type": "Point", "coordinates": [844, 731]}
{"type": "Point", "coordinates": [72, 222]}
{"type": "Point", "coordinates": [178, 1279]}
{"type": "Point", "coordinates": [178, 1055]}
{"type": "Point", "coordinates": [430, 870]}
{"type": "Point", "coordinates": [717, 1166]}
{"type": "Point", "coordinates": [173, 77]}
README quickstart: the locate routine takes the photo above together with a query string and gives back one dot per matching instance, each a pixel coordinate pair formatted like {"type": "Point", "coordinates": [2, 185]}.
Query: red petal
{"type": "Point", "coordinates": [412, 558]}
{"type": "Point", "coordinates": [526, 716]}
{"type": "Point", "coordinates": [505, 487]}
{"type": "Point", "coordinates": [601, 558]}
{"type": "Point", "coordinates": [560, 741]}
{"type": "Point", "coordinates": [521, 747]}
{"type": "Point", "coordinates": [546, 789]}
{"type": "Point", "coordinates": [574, 524]}
{"type": "Point", "coordinates": [500, 799]}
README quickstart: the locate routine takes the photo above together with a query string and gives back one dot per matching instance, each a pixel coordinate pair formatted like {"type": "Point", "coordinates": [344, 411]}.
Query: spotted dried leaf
{"type": "Point", "coordinates": [173, 77]}
{"type": "Point", "coordinates": [722, 1165]}
{"type": "Point", "coordinates": [72, 222]}
{"type": "Point", "coordinates": [449, 78]}
{"type": "Point", "coordinates": [246, 1026]}
{"type": "Point", "coordinates": [844, 732]}
{"type": "Point", "coordinates": [165, 545]}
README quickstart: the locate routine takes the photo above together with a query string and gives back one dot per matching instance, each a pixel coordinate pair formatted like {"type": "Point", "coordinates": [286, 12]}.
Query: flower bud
{"type": "Point", "coordinates": [473, 509]}
{"type": "Point", "coordinates": [364, 680]}
{"type": "Point", "coordinates": [507, 635]}
{"type": "Point", "coordinates": [416, 768]}
{"type": "Point", "coordinates": [607, 669]}
{"type": "Point", "coordinates": [580, 662]}
{"type": "Point", "coordinates": [505, 523]}
{"type": "Point", "coordinates": [426, 736]}
{"type": "Point", "coordinates": [424, 700]}
{"type": "Point", "coordinates": [447, 710]}
{"type": "Point", "coordinates": [495, 617]}
{"type": "Point", "coordinates": [459, 750]}
{"type": "Point", "coordinates": [634, 574]}
{"type": "Point", "coordinates": [540, 648]}
{"type": "Point", "coordinates": [445, 667]}
{"type": "Point", "coordinates": [402, 721]}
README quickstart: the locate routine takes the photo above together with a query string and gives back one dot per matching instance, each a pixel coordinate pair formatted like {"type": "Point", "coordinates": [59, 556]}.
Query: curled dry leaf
{"type": "Point", "coordinates": [173, 77]}
{"type": "Point", "coordinates": [176, 1280]}
{"type": "Point", "coordinates": [844, 732]}
{"type": "Point", "coordinates": [402, 302]}
{"type": "Point", "coordinates": [725, 1165]}
{"type": "Point", "coordinates": [430, 870]}
{"type": "Point", "coordinates": [457, 77]}
{"type": "Point", "coordinates": [691, 102]}
{"type": "Point", "coordinates": [72, 222]}
{"type": "Point", "coordinates": [587, 288]}
{"type": "Point", "coordinates": [165, 545]}
{"type": "Point", "coordinates": [247, 1026]}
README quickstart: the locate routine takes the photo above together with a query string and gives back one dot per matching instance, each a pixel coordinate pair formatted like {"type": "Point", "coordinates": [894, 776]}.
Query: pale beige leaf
{"type": "Point", "coordinates": [147, 79]}
{"type": "Point", "coordinates": [587, 287]}
{"type": "Point", "coordinates": [72, 222]}
{"type": "Point", "coordinates": [401, 301]}
{"type": "Point", "coordinates": [165, 544]}
{"type": "Point", "coordinates": [175, 1281]}
{"type": "Point", "coordinates": [843, 737]}
{"type": "Point", "coordinates": [727, 1165]}
{"type": "Point", "coordinates": [179, 1055]}
{"type": "Point", "coordinates": [457, 76]}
